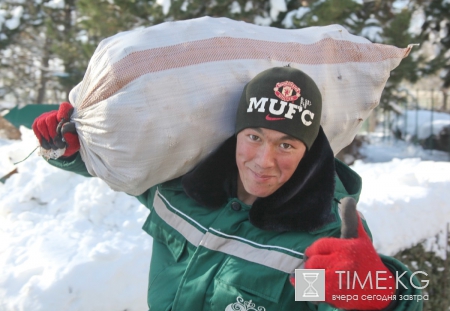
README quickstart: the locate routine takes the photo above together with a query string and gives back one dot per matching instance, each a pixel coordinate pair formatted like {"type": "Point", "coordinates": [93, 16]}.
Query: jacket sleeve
{"type": "Point", "coordinates": [72, 164]}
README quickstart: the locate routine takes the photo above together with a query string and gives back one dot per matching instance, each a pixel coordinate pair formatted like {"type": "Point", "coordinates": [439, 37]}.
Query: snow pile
{"type": "Point", "coordinates": [404, 201]}
{"type": "Point", "coordinates": [70, 243]}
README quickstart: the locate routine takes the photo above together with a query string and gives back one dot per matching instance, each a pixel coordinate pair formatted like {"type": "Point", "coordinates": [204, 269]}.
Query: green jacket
{"type": "Point", "coordinates": [218, 257]}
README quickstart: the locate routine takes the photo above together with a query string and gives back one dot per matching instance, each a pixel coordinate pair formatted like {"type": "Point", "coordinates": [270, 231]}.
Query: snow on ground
{"type": "Point", "coordinates": [70, 243]}
{"type": "Point", "coordinates": [404, 201]}
{"type": "Point", "coordinates": [405, 194]}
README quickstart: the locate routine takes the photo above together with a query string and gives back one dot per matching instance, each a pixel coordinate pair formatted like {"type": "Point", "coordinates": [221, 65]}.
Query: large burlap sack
{"type": "Point", "coordinates": [155, 101]}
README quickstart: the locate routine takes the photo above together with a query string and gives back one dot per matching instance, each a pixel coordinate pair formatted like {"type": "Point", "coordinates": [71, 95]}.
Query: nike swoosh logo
{"type": "Point", "coordinates": [269, 118]}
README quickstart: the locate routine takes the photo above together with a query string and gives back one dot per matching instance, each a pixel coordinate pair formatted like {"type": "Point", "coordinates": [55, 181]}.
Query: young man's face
{"type": "Point", "coordinates": [266, 159]}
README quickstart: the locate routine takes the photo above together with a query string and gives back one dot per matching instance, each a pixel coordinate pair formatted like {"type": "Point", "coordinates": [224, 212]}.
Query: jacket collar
{"type": "Point", "coordinates": [303, 203]}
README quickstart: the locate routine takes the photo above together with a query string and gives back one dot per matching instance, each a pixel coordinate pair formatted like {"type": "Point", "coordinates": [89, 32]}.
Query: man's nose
{"type": "Point", "coordinates": [265, 158]}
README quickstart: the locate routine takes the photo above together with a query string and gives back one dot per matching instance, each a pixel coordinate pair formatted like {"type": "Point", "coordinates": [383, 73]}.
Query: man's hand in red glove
{"type": "Point", "coordinates": [55, 131]}
{"type": "Point", "coordinates": [350, 257]}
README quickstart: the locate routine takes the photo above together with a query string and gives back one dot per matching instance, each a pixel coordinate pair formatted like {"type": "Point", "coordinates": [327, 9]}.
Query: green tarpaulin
{"type": "Point", "coordinates": [26, 115]}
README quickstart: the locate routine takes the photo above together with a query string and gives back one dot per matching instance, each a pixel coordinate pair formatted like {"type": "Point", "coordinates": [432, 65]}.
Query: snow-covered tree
{"type": "Point", "coordinates": [23, 50]}
{"type": "Point", "coordinates": [40, 50]}
{"type": "Point", "coordinates": [386, 22]}
{"type": "Point", "coordinates": [46, 44]}
{"type": "Point", "coordinates": [435, 36]}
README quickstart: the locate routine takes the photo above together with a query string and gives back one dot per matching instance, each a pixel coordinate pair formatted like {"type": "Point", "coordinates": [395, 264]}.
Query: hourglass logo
{"type": "Point", "coordinates": [309, 284]}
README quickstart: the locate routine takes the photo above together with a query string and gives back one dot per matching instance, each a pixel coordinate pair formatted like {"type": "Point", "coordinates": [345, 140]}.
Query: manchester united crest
{"type": "Point", "coordinates": [287, 91]}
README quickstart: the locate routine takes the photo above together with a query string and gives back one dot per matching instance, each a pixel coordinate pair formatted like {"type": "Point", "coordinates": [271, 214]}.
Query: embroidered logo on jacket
{"type": "Point", "coordinates": [242, 305]}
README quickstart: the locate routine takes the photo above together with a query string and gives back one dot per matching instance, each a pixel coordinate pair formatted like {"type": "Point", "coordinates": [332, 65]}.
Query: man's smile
{"type": "Point", "coordinates": [262, 177]}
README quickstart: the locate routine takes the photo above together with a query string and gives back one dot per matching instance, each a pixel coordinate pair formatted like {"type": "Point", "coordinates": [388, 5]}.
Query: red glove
{"type": "Point", "coordinates": [353, 255]}
{"type": "Point", "coordinates": [55, 131]}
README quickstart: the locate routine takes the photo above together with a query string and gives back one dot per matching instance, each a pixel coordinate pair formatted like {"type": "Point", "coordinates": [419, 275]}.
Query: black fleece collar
{"type": "Point", "coordinates": [303, 203]}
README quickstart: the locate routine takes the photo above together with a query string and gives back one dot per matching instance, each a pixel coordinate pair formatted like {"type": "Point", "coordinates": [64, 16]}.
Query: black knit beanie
{"type": "Point", "coordinates": [284, 99]}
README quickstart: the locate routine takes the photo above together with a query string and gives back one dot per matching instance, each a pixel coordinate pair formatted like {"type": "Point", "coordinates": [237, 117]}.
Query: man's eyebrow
{"type": "Point", "coordinates": [284, 137]}
{"type": "Point", "coordinates": [288, 137]}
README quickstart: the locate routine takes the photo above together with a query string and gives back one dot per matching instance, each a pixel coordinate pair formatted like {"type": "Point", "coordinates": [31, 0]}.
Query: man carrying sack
{"type": "Point", "coordinates": [229, 234]}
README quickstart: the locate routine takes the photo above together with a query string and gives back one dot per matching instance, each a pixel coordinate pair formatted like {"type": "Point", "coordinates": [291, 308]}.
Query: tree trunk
{"type": "Point", "coordinates": [69, 9]}
{"type": "Point", "coordinates": [41, 95]}
{"type": "Point", "coordinates": [444, 99]}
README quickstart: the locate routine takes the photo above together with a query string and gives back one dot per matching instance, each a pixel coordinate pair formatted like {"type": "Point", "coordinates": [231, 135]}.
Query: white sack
{"type": "Point", "coordinates": [155, 101]}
